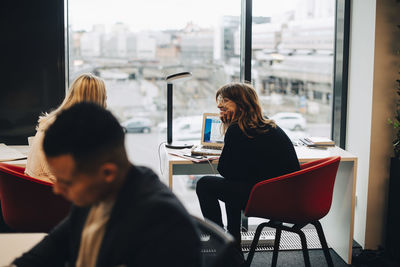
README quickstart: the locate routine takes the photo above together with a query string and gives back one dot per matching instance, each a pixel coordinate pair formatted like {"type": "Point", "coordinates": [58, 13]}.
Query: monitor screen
{"type": "Point", "coordinates": [213, 130]}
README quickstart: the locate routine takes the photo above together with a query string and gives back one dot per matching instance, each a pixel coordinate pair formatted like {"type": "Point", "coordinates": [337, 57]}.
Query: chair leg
{"type": "Point", "coordinates": [303, 246]}
{"type": "Point", "coordinates": [254, 243]}
{"type": "Point", "coordinates": [324, 245]}
{"type": "Point", "coordinates": [276, 246]}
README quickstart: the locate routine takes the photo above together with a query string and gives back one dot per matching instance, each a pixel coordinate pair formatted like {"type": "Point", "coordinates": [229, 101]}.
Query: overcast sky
{"type": "Point", "coordinates": [164, 14]}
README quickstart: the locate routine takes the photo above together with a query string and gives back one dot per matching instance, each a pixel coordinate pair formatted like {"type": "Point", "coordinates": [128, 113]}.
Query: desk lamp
{"type": "Point", "coordinates": [170, 78]}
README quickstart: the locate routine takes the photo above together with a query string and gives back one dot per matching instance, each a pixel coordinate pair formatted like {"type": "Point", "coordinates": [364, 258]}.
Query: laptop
{"type": "Point", "coordinates": [212, 139]}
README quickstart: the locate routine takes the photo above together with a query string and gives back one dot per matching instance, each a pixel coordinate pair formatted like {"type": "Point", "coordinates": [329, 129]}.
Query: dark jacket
{"type": "Point", "coordinates": [148, 226]}
{"type": "Point", "coordinates": [252, 160]}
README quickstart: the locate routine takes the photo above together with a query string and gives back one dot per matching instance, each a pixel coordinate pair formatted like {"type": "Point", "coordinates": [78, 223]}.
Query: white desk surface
{"type": "Point", "coordinates": [14, 245]}
{"type": "Point", "coordinates": [24, 149]}
{"type": "Point", "coordinates": [304, 154]}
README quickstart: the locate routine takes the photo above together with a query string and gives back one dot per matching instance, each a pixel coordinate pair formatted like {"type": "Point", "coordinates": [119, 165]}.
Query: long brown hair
{"type": "Point", "coordinates": [248, 116]}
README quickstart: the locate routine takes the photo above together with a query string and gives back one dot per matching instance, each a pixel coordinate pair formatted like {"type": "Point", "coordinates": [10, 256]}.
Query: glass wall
{"type": "Point", "coordinates": [133, 46]}
{"type": "Point", "coordinates": [292, 63]}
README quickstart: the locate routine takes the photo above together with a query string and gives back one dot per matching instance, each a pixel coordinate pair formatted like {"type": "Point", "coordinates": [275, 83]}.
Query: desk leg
{"type": "Point", "coordinates": [170, 172]}
{"type": "Point", "coordinates": [339, 222]}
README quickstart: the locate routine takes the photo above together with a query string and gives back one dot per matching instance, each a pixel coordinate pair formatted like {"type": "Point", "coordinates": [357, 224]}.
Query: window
{"type": "Point", "coordinates": [292, 63]}
{"type": "Point", "coordinates": [134, 46]}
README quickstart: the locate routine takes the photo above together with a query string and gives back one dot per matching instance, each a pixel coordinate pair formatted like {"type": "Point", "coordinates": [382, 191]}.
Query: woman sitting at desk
{"type": "Point", "coordinates": [255, 149]}
{"type": "Point", "coordinates": [85, 88]}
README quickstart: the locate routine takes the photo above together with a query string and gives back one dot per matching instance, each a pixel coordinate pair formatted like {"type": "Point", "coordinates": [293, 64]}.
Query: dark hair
{"type": "Point", "coordinates": [249, 115]}
{"type": "Point", "coordinates": [89, 133]}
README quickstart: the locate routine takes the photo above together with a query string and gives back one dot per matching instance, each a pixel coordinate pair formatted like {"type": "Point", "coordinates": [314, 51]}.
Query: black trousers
{"type": "Point", "coordinates": [235, 194]}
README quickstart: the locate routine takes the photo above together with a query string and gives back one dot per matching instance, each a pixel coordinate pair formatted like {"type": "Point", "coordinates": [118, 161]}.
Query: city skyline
{"type": "Point", "coordinates": [293, 58]}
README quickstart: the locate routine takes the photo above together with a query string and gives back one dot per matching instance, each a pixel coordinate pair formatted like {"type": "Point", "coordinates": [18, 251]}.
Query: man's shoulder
{"type": "Point", "coordinates": [142, 172]}
{"type": "Point", "coordinates": [141, 178]}
{"type": "Point", "coordinates": [143, 185]}
{"type": "Point", "coordinates": [138, 176]}
{"type": "Point", "coordinates": [145, 192]}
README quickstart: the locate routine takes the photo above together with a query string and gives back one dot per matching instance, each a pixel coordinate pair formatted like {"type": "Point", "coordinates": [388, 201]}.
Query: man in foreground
{"type": "Point", "coordinates": [122, 214]}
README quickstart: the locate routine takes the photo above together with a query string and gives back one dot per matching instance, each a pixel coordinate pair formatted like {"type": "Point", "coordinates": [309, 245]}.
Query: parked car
{"type": "Point", "coordinates": [184, 128]}
{"type": "Point", "coordinates": [290, 120]}
{"type": "Point", "coordinates": [189, 129]}
{"type": "Point", "coordinates": [137, 125]}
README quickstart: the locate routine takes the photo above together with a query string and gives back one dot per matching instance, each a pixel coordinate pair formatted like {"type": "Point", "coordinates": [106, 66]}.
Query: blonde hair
{"type": "Point", "coordinates": [249, 114]}
{"type": "Point", "coordinates": [85, 88]}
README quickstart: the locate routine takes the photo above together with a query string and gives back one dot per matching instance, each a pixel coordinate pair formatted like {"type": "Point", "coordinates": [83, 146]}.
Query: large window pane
{"type": "Point", "coordinates": [134, 45]}
{"type": "Point", "coordinates": [292, 68]}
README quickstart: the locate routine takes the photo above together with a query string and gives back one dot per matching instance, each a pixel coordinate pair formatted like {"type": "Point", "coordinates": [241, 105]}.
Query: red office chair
{"type": "Point", "coordinates": [28, 204]}
{"type": "Point", "coordinates": [298, 198]}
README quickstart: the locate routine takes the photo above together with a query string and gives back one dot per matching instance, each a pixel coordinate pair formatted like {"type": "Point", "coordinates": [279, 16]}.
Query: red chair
{"type": "Point", "coordinates": [298, 198]}
{"type": "Point", "coordinates": [28, 204]}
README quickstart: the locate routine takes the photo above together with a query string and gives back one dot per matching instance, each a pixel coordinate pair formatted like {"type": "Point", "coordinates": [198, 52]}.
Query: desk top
{"type": "Point", "coordinates": [13, 245]}
{"type": "Point", "coordinates": [304, 154]}
{"type": "Point", "coordinates": [24, 149]}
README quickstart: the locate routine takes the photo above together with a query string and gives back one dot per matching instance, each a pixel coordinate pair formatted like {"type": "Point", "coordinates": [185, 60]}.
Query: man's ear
{"type": "Point", "coordinates": [109, 171]}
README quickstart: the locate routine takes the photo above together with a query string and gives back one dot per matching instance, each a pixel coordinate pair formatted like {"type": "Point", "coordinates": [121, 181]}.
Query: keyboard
{"type": "Point", "coordinates": [212, 147]}
{"type": "Point", "coordinates": [203, 151]}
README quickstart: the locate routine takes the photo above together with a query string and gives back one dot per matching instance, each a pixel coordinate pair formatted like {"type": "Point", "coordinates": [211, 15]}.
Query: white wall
{"type": "Point", "coordinates": [359, 116]}
{"type": "Point", "coordinates": [374, 67]}
{"type": "Point", "coordinates": [386, 71]}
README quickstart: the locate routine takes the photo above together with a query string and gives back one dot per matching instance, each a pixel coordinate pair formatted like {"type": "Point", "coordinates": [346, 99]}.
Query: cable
{"type": "Point", "coordinates": [212, 167]}
{"type": "Point", "coordinates": [159, 160]}
{"type": "Point", "coordinates": [159, 157]}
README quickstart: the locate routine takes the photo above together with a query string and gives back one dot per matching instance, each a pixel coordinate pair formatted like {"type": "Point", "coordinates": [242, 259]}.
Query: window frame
{"type": "Point", "coordinates": [341, 71]}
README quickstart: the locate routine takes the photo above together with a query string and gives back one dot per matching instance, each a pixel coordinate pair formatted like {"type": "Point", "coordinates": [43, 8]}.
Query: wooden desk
{"type": "Point", "coordinates": [14, 245]}
{"type": "Point", "coordinates": [338, 224]}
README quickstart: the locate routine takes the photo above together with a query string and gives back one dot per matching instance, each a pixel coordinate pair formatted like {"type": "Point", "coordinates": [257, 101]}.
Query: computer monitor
{"type": "Point", "coordinates": [212, 130]}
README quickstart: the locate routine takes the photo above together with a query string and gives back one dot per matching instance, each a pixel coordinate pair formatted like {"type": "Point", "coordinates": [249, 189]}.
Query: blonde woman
{"type": "Point", "coordinates": [255, 149]}
{"type": "Point", "coordinates": [85, 88]}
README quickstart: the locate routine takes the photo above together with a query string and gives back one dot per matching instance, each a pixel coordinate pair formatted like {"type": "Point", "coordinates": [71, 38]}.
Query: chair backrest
{"type": "Point", "coordinates": [298, 197]}
{"type": "Point", "coordinates": [217, 247]}
{"type": "Point", "coordinates": [28, 204]}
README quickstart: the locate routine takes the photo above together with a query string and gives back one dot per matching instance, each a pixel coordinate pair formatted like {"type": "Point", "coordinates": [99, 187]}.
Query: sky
{"type": "Point", "coordinates": [164, 14]}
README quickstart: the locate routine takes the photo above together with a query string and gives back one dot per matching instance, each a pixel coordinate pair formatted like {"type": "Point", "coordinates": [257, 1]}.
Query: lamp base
{"type": "Point", "coordinates": [178, 145]}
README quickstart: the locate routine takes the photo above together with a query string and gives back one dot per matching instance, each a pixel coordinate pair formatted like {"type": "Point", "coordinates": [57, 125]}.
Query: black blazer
{"type": "Point", "coordinates": [251, 160]}
{"type": "Point", "coordinates": [148, 226]}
